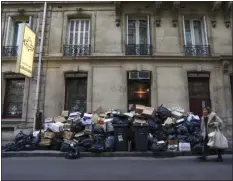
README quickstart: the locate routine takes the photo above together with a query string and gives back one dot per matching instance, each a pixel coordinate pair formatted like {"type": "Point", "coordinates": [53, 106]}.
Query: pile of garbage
{"type": "Point", "coordinates": [166, 130]}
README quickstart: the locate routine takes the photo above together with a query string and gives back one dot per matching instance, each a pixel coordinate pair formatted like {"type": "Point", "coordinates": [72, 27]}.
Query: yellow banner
{"type": "Point", "coordinates": [26, 52]}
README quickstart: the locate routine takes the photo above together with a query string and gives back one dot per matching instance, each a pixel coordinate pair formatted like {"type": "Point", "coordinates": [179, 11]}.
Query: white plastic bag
{"type": "Point", "coordinates": [217, 140]}
{"type": "Point", "coordinates": [184, 147]}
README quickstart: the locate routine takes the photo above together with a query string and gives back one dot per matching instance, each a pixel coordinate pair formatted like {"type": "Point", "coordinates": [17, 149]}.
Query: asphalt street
{"type": "Point", "coordinates": [179, 168]}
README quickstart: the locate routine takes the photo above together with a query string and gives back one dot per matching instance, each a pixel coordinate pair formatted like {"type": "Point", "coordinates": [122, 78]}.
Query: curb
{"type": "Point", "coordinates": [43, 153]}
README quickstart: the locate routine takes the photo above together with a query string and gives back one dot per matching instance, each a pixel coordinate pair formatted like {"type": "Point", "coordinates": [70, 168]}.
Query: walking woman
{"type": "Point", "coordinates": [209, 122]}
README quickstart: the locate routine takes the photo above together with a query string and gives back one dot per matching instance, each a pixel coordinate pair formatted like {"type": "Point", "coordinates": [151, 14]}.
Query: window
{"type": "Point", "coordinates": [195, 37]}
{"type": "Point", "coordinates": [13, 35]}
{"type": "Point", "coordinates": [138, 36]}
{"type": "Point", "coordinates": [139, 88]}
{"type": "Point", "coordinates": [78, 38]}
{"type": "Point", "coordinates": [14, 98]}
{"type": "Point", "coordinates": [76, 92]}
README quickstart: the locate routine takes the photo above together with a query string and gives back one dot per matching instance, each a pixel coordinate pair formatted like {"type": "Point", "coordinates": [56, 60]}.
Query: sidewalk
{"type": "Point", "coordinates": [48, 153]}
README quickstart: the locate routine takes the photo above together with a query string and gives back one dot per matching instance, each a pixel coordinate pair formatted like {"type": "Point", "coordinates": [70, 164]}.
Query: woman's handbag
{"type": "Point", "coordinates": [217, 140]}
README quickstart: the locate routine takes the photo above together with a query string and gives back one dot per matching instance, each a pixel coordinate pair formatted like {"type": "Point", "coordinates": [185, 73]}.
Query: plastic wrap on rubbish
{"type": "Point", "coordinates": [163, 113]}
{"type": "Point", "coordinates": [182, 130]}
{"type": "Point", "coordinates": [109, 143]}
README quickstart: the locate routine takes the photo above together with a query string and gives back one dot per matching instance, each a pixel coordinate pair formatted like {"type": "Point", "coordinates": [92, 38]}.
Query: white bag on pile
{"type": "Point", "coordinates": [178, 109]}
{"type": "Point", "coordinates": [108, 127]}
{"type": "Point", "coordinates": [73, 115]}
{"type": "Point", "coordinates": [56, 127]}
{"type": "Point", "coordinates": [169, 121]}
{"type": "Point", "coordinates": [184, 147]}
{"type": "Point", "coordinates": [87, 115]}
{"type": "Point", "coordinates": [192, 116]}
{"type": "Point", "coordinates": [177, 114]}
{"type": "Point", "coordinates": [130, 114]}
{"type": "Point", "coordinates": [60, 119]}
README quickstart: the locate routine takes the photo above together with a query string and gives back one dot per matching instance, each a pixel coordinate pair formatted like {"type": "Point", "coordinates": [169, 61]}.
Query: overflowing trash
{"type": "Point", "coordinates": [143, 129]}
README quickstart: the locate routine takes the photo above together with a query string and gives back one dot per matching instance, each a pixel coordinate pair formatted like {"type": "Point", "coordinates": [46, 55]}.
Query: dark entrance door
{"type": "Point", "coordinates": [199, 93]}
{"type": "Point", "coordinates": [139, 90]}
{"type": "Point", "coordinates": [76, 94]}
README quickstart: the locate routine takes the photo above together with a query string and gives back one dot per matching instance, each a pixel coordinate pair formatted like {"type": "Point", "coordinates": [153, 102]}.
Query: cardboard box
{"type": "Point", "coordinates": [148, 111]}
{"type": "Point", "coordinates": [65, 113]}
{"type": "Point", "coordinates": [60, 119]}
{"type": "Point", "coordinates": [139, 121]}
{"type": "Point", "coordinates": [68, 135]}
{"type": "Point", "coordinates": [139, 108]}
{"type": "Point", "coordinates": [45, 142]}
{"type": "Point", "coordinates": [49, 135]}
{"type": "Point", "coordinates": [184, 147]}
{"type": "Point", "coordinates": [172, 142]}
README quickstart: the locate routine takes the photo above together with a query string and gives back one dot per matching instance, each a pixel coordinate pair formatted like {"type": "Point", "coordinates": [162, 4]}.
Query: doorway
{"type": "Point", "coordinates": [199, 92]}
{"type": "Point", "coordinates": [76, 92]}
{"type": "Point", "coordinates": [139, 88]}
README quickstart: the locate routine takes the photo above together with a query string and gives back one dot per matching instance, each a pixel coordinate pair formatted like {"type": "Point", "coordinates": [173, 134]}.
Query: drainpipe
{"type": "Point", "coordinates": [39, 64]}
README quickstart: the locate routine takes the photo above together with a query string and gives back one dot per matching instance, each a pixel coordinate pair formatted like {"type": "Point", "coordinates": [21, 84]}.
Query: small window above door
{"type": "Point", "coordinates": [195, 37]}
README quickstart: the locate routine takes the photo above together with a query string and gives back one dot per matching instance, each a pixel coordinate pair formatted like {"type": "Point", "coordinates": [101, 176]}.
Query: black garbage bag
{"type": "Point", "coordinates": [181, 130]}
{"type": "Point", "coordinates": [97, 129]}
{"type": "Point", "coordinates": [109, 143]}
{"type": "Point", "coordinates": [182, 138]}
{"type": "Point", "coordinates": [65, 147]}
{"type": "Point", "coordinates": [171, 130]}
{"type": "Point", "coordinates": [77, 127]}
{"type": "Point", "coordinates": [20, 136]}
{"type": "Point", "coordinates": [160, 135]}
{"type": "Point", "coordinates": [163, 113]}
{"type": "Point", "coordinates": [97, 148]}
{"type": "Point", "coordinates": [87, 143]}
{"type": "Point", "coordinates": [153, 126]}
{"type": "Point", "coordinates": [56, 144]}
{"type": "Point", "coordinates": [172, 137]}
{"type": "Point", "coordinates": [73, 153]}
{"type": "Point", "coordinates": [158, 147]}
{"type": "Point", "coordinates": [198, 149]}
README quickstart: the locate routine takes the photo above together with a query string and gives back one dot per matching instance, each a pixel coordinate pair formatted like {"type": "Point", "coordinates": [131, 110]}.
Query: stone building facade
{"type": "Point", "coordinates": [114, 54]}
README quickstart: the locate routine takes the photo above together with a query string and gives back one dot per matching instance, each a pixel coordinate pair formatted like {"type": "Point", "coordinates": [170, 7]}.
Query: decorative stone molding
{"type": "Point", "coordinates": [213, 22]}
{"type": "Point", "coordinates": [175, 11]}
{"type": "Point", "coordinates": [227, 13]}
{"type": "Point", "coordinates": [158, 22]}
{"type": "Point", "coordinates": [118, 12]}
{"type": "Point", "coordinates": [225, 66]}
{"type": "Point", "coordinates": [21, 12]}
{"type": "Point", "coordinates": [216, 5]}
{"type": "Point", "coordinates": [157, 13]}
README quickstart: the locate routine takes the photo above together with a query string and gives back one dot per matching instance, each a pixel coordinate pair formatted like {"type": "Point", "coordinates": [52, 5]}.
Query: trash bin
{"type": "Point", "coordinates": [141, 136]}
{"type": "Point", "coordinates": [120, 137]}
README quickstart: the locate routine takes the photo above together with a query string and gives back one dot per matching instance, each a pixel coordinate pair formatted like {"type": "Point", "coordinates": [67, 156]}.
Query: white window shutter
{"type": "Point", "coordinates": [89, 32]}
{"type": "Point", "coordinates": [9, 32]}
{"type": "Point", "coordinates": [205, 30]}
{"type": "Point", "coordinates": [184, 30]}
{"type": "Point", "coordinates": [127, 29]}
{"type": "Point", "coordinates": [30, 22]}
{"type": "Point", "coordinates": [148, 30]}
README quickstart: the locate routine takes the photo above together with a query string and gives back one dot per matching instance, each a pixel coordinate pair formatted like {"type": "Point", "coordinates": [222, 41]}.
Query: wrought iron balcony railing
{"type": "Point", "coordinates": [197, 50]}
{"type": "Point", "coordinates": [9, 51]}
{"type": "Point", "coordinates": [76, 50]}
{"type": "Point", "coordinates": [138, 49]}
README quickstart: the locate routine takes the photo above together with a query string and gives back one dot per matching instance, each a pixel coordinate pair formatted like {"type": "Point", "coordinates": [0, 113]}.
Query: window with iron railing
{"type": "Point", "coordinates": [138, 36]}
{"type": "Point", "coordinates": [195, 37]}
{"type": "Point", "coordinates": [13, 35]}
{"type": "Point", "coordinates": [78, 38]}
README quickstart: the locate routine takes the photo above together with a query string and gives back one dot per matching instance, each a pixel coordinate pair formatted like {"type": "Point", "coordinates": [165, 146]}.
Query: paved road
{"type": "Point", "coordinates": [181, 168]}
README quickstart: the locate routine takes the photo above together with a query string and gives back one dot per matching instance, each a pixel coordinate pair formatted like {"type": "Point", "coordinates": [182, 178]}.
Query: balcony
{"type": "Point", "coordinates": [76, 50]}
{"type": "Point", "coordinates": [197, 50]}
{"type": "Point", "coordinates": [138, 49]}
{"type": "Point", "coordinates": [9, 51]}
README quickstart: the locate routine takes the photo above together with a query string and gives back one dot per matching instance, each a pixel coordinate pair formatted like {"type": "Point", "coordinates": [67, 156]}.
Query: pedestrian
{"type": "Point", "coordinates": [209, 122]}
